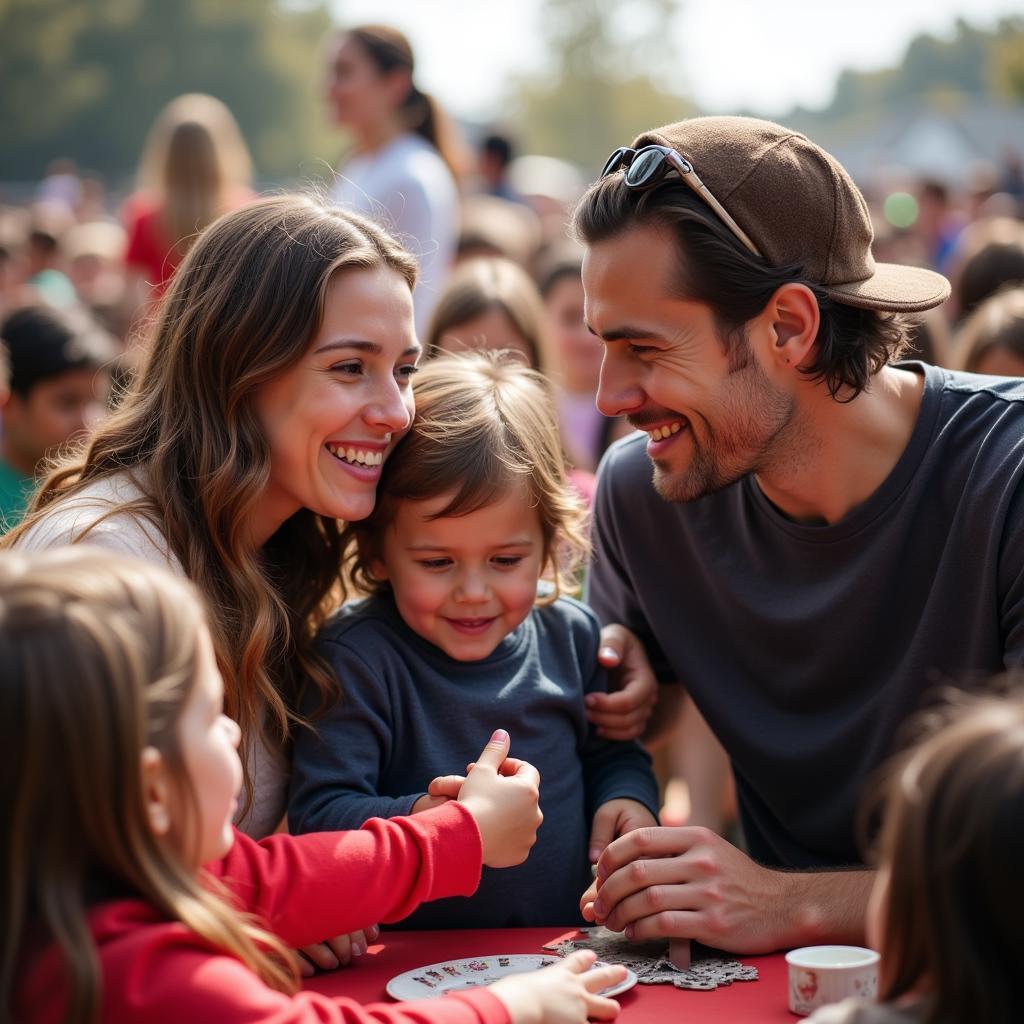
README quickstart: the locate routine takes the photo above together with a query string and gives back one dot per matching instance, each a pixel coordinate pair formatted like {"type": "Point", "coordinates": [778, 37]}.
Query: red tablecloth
{"type": "Point", "coordinates": [744, 1002]}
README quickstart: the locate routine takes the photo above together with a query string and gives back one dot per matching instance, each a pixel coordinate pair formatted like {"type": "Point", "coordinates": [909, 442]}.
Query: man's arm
{"type": "Point", "coordinates": [690, 883]}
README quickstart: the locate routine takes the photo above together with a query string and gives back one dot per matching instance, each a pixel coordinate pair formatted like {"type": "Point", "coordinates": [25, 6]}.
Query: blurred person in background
{"type": "Point", "coordinates": [991, 341]}
{"type": "Point", "coordinates": [494, 156]}
{"type": "Point", "coordinates": [58, 363]}
{"type": "Point", "coordinates": [496, 227]}
{"type": "Point", "coordinates": [938, 223]}
{"type": "Point", "coordinates": [93, 251]}
{"type": "Point", "coordinates": [990, 257]}
{"type": "Point", "coordinates": [45, 267]}
{"type": "Point", "coordinates": [61, 185]}
{"type": "Point", "coordinates": [490, 303]}
{"type": "Point", "coordinates": [576, 357]}
{"type": "Point", "coordinates": [195, 166]}
{"type": "Point", "coordinates": [404, 162]}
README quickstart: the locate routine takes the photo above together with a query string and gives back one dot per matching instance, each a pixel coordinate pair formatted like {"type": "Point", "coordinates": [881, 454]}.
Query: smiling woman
{"type": "Point", "coordinates": [277, 382]}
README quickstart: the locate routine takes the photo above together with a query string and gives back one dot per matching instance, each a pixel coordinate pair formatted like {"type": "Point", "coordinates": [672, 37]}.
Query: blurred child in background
{"type": "Point", "coordinates": [59, 381]}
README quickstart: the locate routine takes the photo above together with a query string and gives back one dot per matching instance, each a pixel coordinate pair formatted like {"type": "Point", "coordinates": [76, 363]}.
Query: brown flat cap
{"type": "Point", "coordinates": [798, 205]}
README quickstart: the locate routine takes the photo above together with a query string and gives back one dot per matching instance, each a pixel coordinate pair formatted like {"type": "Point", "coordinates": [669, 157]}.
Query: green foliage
{"type": "Point", "coordinates": [1006, 70]}
{"type": "Point", "coordinates": [86, 78]}
{"type": "Point", "coordinates": [610, 63]}
{"type": "Point", "coordinates": [929, 66]}
{"type": "Point", "coordinates": [941, 75]}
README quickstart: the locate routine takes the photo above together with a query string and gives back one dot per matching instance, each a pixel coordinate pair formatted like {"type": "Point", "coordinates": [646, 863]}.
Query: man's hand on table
{"type": "Point", "coordinates": [691, 883]}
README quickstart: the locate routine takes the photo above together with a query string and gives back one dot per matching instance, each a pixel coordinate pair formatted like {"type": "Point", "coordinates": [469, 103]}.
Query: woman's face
{"type": "Point", "coordinates": [332, 419]}
{"type": "Point", "coordinates": [491, 330]}
{"type": "Point", "coordinates": [359, 95]}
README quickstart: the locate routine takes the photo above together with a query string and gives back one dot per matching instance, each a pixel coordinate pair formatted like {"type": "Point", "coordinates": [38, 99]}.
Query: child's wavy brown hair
{"type": "Point", "coordinates": [484, 424]}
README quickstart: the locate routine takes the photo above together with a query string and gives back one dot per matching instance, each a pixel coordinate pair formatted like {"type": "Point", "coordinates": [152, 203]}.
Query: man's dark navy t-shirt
{"type": "Point", "coordinates": [807, 647]}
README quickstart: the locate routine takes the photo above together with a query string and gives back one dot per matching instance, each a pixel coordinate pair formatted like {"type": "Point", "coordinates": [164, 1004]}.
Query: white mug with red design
{"type": "Point", "coordinates": [819, 975]}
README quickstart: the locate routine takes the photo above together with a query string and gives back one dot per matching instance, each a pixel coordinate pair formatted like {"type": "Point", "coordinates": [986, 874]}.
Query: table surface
{"type": "Point", "coordinates": [744, 1002]}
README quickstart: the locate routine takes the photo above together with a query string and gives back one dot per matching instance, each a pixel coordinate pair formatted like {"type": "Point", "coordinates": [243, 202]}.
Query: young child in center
{"type": "Point", "coordinates": [945, 912]}
{"type": "Point", "coordinates": [461, 632]}
{"type": "Point", "coordinates": [128, 896]}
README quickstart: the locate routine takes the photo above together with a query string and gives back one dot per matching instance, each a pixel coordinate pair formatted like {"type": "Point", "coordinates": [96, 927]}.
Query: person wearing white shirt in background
{"type": "Point", "coordinates": [403, 164]}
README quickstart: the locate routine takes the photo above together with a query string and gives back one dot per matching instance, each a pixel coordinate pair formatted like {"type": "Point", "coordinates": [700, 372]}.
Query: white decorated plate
{"type": "Point", "coordinates": [458, 975]}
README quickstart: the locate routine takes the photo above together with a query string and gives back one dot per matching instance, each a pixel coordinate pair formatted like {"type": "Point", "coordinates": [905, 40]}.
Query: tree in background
{"type": "Point", "coordinates": [606, 84]}
{"type": "Point", "coordinates": [934, 74]}
{"type": "Point", "coordinates": [85, 78]}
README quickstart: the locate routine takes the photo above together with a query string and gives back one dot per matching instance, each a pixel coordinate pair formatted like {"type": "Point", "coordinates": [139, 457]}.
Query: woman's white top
{"type": "Point", "coordinates": [68, 521]}
{"type": "Point", "coordinates": [407, 188]}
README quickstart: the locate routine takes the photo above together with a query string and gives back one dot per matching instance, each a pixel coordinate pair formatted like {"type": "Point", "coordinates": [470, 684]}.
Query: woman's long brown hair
{"type": "Point", "coordinates": [99, 656]}
{"type": "Point", "coordinates": [243, 309]}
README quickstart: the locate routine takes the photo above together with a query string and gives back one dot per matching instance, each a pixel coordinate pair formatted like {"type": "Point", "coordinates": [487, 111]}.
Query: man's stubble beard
{"type": "Point", "coordinates": [761, 428]}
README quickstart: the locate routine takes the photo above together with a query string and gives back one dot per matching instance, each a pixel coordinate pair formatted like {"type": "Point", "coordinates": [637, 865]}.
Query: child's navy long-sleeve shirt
{"type": "Point", "coordinates": [409, 712]}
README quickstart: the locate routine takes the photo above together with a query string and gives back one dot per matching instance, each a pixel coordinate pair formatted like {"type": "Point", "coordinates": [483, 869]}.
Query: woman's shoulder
{"type": "Point", "coordinates": [101, 513]}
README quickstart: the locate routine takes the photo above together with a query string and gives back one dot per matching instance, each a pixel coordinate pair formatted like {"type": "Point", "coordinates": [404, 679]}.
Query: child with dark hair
{"type": "Point", "coordinates": [945, 909]}
{"type": "Point", "coordinates": [59, 377]}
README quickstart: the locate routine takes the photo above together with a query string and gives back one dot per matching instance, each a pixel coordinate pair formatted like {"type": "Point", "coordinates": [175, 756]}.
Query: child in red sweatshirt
{"type": "Point", "coordinates": [127, 893]}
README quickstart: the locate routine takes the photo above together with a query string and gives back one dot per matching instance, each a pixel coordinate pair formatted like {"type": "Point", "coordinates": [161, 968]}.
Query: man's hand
{"type": "Point", "coordinates": [690, 883]}
{"type": "Point", "coordinates": [615, 818]}
{"type": "Point", "coordinates": [622, 713]}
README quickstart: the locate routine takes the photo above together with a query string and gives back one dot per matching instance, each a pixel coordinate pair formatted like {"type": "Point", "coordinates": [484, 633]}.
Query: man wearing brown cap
{"type": "Point", "coordinates": [828, 534]}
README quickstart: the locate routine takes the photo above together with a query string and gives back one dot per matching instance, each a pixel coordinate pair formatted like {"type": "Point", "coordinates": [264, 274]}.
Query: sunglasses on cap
{"type": "Point", "coordinates": [648, 167]}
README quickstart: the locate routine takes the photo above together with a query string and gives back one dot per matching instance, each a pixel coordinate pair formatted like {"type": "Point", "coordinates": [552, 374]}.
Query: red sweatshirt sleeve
{"type": "Point", "coordinates": [171, 985]}
{"type": "Point", "coordinates": [309, 887]}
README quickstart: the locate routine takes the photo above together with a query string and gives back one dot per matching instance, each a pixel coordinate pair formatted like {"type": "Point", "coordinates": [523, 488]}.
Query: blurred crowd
{"type": "Point", "coordinates": [83, 267]}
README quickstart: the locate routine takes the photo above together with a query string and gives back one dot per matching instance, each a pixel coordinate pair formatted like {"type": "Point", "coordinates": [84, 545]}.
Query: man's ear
{"type": "Point", "coordinates": [156, 790]}
{"type": "Point", "coordinates": [791, 319]}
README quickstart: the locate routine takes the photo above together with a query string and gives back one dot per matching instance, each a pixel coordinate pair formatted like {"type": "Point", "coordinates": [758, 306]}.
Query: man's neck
{"type": "Point", "coordinates": [843, 451]}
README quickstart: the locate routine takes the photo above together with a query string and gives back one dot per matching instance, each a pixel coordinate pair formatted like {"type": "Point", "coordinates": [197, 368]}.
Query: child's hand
{"type": "Point", "coordinates": [613, 819]}
{"type": "Point", "coordinates": [562, 994]}
{"type": "Point", "coordinates": [429, 801]}
{"type": "Point", "coordinates": [340, 951]}
{"type": "Point", "coordinates": [506, 806]}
